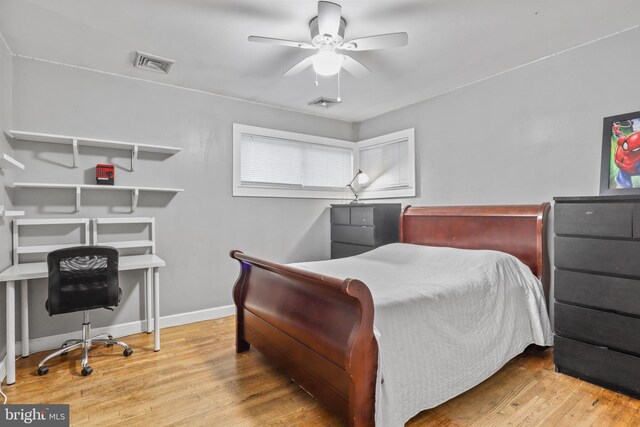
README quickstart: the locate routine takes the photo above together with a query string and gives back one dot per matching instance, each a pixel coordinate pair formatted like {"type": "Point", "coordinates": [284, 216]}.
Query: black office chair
{"type": "Point", "coordinates": [83, 278]}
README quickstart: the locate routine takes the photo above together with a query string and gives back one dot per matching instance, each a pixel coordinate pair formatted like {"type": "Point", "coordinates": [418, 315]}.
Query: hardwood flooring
{"type": "Point", "coordinates": [198, 380]}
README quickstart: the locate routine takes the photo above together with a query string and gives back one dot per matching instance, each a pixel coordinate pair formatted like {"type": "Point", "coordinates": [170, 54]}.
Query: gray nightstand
{"type": "Point", "coordinates": [358, 228]}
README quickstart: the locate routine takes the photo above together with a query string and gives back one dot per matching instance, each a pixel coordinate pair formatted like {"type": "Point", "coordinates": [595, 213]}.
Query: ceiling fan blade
{"type": "Point", "coordinates": [300, 66]}
{"type": "Point", "coordinates": [280, 42]}
{"type": "Point", "coordinates": [381, 41]}
{"type": "Point", "coordinates": [354, 67]}
{"type": "Point", "coordinates": [329, 17]}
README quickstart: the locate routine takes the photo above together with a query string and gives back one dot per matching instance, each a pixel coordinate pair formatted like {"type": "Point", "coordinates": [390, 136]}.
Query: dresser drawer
{"type": "Point", "coordinates": [365, 225]}
{"type": "Point", "coordinates": [618, 371]}
{"type": "Point", "coordinates": [342, 250]}
{"type": "Point", "coordinates": [340, 215]}
{"type": "Point", "coordinates": [357, 235]}
{"type": "Point", "coordinates": [594, 219]}
{"type": "Point", "coordinates": [598, 327]}
{"type": "Point", "coordinates": [618, 257]}
{"type": "Point", "coordinates": [605, 292]}
{"type": "Point", "coordinates": [362, 215]}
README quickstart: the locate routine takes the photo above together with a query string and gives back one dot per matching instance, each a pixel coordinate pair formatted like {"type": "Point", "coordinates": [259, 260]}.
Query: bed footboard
{"type": "Point", "coordinates": [318, 329]}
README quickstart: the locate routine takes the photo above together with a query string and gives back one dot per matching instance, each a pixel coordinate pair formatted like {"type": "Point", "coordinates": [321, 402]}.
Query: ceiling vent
{"type": "Point", "coordinates": [325, 102]}
{"type": "Point", "coordinates": [153, 63]}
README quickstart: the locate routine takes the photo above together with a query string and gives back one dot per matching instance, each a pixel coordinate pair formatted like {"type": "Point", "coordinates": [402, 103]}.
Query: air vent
{"type": "Point", "coordinates": [325, 102]}
{"type": "Point", "coordinates": [153, 63]}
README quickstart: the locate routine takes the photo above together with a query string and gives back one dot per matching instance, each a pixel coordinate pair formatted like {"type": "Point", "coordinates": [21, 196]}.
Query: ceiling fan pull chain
{"type": "Point", "coordinates": [316, 79]}
{"type": "Point", "coordinates": [339, 99]}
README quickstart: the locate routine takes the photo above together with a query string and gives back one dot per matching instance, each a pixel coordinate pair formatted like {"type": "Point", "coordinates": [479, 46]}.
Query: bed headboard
{"type": "Point", "coordinates": [515, 229]}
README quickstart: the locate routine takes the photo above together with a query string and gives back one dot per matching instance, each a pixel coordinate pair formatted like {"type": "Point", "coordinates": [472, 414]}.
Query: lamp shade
{"type": "Point", "coordinates": [327, 62]}
{"type": "Point", "coordinates": [363, 178]}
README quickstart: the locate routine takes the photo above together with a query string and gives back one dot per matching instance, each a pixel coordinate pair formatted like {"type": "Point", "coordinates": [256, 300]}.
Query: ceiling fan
{"type": "Point", "coordinates": [327, 36]}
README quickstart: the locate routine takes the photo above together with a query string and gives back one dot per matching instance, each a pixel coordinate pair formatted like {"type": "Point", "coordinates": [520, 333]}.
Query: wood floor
{"type": "Point", "coordinates": [198, 380]}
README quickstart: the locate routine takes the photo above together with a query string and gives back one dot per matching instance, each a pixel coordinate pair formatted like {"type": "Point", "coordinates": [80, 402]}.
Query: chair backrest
{"type": "Point", "coordinates": [82, 278]}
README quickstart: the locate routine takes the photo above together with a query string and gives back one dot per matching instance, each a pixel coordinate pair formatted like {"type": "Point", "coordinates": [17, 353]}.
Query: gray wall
{"type": "Point", "coordinates": [524, 136]}
{"type": "Point", "coordinates": [197, 228]}
{"type": "Point", "coordinates": [6, 61]}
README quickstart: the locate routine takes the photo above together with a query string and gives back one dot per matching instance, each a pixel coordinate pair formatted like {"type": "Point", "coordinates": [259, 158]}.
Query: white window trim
{"type": "Point", "coordinates": [409, 135]}
{"type": "Point", "coordinates": [265, 191]}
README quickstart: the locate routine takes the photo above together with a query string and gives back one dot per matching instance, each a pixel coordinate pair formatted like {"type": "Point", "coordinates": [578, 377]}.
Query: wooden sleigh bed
{"type": "Point", "coordinates": [319, 329]}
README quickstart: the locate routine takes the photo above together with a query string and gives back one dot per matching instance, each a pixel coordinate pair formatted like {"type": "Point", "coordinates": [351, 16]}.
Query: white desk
{"type": "Point", "coordinates": [38, 270]}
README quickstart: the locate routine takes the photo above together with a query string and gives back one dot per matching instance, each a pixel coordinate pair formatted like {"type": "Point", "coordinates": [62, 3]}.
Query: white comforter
{"type": "Point", "coordinates": [446, 319]}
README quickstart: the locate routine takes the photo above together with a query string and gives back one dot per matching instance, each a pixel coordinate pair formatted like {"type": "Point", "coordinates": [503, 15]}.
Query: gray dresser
{"type": "Point", "coordinates": [358, 228]}
{"type": "Point", "coordinates": [597, 290]}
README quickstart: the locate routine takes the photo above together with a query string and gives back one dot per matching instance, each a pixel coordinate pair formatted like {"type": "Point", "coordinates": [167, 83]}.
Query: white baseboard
{"type": "Point", "coordinates": [123, 329]}
{"type": "Point", "coordinates": [197, 316]}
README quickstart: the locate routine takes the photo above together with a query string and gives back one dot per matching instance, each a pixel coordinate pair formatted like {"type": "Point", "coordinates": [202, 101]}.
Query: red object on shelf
{"type": "Point", "coordinates": [105, 174]}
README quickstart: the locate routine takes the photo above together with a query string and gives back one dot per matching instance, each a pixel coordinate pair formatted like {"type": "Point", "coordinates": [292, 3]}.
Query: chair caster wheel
{"type": "Point", "coordinates": [43, 370]}
{"type": "Point", "coordinates": [86, 371]}
{"type": "Point", "coordinates": [128, 352]}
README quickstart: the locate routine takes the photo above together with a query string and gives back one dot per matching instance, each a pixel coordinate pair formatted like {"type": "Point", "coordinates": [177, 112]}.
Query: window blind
{"type": "Point", "coordinates": [386, 164]}
{"type": "Point", "coordinates": [275, 162]}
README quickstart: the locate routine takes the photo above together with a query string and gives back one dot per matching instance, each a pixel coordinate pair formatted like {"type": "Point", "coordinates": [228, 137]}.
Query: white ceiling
{"type": "Point", "coordinates": [451, 43]}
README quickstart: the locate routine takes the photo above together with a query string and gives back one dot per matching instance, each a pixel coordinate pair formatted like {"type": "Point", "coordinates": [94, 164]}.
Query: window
{"type": "Point", "coordinates": [273, 163]}
{"type": "Point", "coordinates": [389, 162]}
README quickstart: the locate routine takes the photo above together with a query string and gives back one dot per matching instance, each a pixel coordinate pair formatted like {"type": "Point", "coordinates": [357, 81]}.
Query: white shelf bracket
{"type": "Point", "coordinates": [134, 157]}
{"type": "Point", "coordinates": [75, 153]}
{"type": "Point", "coordinates": [134, 199]}
{"type": "Point", "coordinates": [9, 214]}
{"type": "Point", "coordinates": [78, 198]}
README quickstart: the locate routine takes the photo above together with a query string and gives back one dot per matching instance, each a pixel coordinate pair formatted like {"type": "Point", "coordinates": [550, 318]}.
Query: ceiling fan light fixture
{"type": "Point", "coordinates": [327, 62]}
{"type": "Point", "coordinates": [327, 35]}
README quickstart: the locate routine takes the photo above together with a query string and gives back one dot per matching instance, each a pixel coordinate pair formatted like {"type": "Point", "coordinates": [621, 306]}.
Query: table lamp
{"type": "Point", "coordinates": [363, 178]}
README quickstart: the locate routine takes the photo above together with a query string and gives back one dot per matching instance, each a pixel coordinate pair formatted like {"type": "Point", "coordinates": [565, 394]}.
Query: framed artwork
{"type": "Point", "coordinates": [620, 167]}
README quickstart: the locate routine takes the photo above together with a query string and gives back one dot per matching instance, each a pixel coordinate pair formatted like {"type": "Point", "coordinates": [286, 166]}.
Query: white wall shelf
{"type": "Point", "coordinates": [8, 162]}
{"type": "Point", "coordinates": [57, 221]}
{"type": "Point", "coordinates": [76, 141]}
{"type": "Point", "coordinates": [10, 214]}
{"type": "Point", "coordinates": [43, 249]}
{"type": "Point", "coordinates": [125, 220]}
{"type": "Point", "coordinates": [18, 249]}
{"type": "Point", "coordinates": [135, 191]}
{"type": "Point", "coordinates": [128, 244]}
